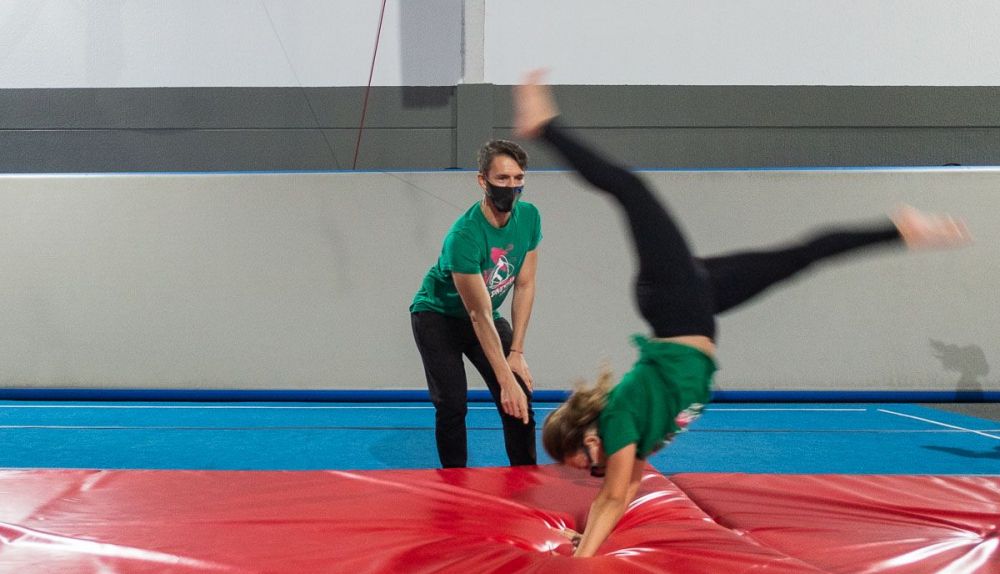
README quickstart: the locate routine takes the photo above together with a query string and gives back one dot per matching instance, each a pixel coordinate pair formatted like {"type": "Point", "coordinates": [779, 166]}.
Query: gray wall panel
{"type": "Point", "coordinates": [220, 108]}
{"type": "Point", "coordinates": [304, 280]}
{"type": "Point", "coordinates": [86, 151]}
{"type": "Point", "coordinates": [399, 148]}
{"type": "Point", "coordinates": [164, 150]}
{"type": "Point", "coordinates": [770, 106]}
{"type": "Point", "coordinates": [388, 106]}
{"type": "Point", "coordinates": [695, 148]}
{"type": "Point", "coordinates": [475, 121]}
{"type": "Point", "coordinates": [156, 108]}
{"type": "Point", "coordinates": [222, 129]}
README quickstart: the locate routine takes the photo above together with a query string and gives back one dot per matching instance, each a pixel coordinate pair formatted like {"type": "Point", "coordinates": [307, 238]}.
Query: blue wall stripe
{"type": "Point", "coordinates": [366, 396]}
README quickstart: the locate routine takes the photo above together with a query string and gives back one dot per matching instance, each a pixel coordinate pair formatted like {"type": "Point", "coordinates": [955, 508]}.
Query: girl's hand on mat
{"type": "Point", "coordinates": [573, 536]}
{"type": "Point", "coordinates": [928, 230]}
{"type": "Point", "coordinates": [519, 367]}
{"type": "Point", "coordinates": [534, 105]}
{"type": "Point", "coordinates": [574, 541]}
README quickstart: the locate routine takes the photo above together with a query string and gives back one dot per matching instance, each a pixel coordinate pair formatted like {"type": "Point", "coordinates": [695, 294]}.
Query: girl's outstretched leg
{"type": "Point", "coordinates": [671, 292]}
{"type": "Point", "coordinates": [738, 277]}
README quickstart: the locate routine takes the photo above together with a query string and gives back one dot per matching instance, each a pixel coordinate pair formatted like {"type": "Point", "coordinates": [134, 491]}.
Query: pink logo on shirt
{"type": "Point", "coordinates": [502, 276]}
{"type": "Point", "coordinates": [496, 253]}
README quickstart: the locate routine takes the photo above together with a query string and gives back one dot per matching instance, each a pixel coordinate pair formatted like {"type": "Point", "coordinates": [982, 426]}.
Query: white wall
{"type": "Point", "coordinates": [304, 280]}
{"type": "Point", "coordinates": [192, 43]}
{"type": "Point", "coordinates": [747, 42]}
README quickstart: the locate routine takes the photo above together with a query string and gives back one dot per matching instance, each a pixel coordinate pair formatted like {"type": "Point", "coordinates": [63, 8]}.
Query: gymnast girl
{"type": "Point", "coordinates": [613, 430]}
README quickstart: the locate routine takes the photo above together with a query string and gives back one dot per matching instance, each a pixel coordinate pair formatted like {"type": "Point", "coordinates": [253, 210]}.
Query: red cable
{"type": "Point", "coordinates": [371, 73]}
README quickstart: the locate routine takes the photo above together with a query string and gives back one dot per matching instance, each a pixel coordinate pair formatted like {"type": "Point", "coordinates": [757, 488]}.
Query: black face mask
{"type": "Point", "coordinates": [502, 197]}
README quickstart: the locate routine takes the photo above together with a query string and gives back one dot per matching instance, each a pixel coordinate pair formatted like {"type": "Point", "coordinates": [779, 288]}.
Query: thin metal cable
{"type": "Point", "coordinates": [302, 88]}
{"type": "Point", "coordinates": [371, 73]}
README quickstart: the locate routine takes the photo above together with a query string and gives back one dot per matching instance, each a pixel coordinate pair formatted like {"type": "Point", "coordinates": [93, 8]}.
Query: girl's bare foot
{"type": "Point", "coordinates": [930, 231]}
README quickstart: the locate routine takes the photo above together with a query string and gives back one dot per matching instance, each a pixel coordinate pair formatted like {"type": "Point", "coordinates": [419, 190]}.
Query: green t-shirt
{"type": "Point", "coordinates": [666, 389]}
{"type": "Point", "coordinates": [472, 245]}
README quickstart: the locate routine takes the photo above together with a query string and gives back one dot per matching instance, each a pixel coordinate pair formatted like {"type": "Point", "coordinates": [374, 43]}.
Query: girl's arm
{"type": "Point", "coordinates": [621, 480]}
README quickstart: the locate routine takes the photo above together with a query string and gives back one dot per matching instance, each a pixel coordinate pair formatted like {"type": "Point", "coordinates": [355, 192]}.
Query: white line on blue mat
{"type": "Point", "coordinates": [933, 422]}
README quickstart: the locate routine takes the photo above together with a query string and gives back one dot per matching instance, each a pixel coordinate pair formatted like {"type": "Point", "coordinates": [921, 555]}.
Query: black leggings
{"type": "Point", "coordinates": [676, 293]}
{"type": "Point", "coordinates": [737, 277]}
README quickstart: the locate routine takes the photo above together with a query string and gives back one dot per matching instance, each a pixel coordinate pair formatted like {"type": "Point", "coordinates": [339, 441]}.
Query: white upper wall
{"type": "Point", "coordinates": [747, 42]}
{"type": "Point", "coordinates": [190, 43]}
{"type": "Point", "coordinates": [180, 43]}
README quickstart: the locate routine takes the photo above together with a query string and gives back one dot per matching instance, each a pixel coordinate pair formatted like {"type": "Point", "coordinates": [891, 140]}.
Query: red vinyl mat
{"type": "Point", "coordinates": [489, 520]}
{"type": "Point", "coordinates": [861, 523]}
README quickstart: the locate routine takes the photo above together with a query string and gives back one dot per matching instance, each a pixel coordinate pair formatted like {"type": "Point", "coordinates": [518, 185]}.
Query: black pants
{"type": "Point", "coordinates": [442, 341]}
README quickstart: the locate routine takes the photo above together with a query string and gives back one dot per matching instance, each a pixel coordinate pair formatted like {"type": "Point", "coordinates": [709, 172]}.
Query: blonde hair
{"type": "Point", "coordinates": [564, 429]}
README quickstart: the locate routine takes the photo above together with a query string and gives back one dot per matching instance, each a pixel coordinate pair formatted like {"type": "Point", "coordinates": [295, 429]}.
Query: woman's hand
{"type": "Point", "coordinates": [520, 368]}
